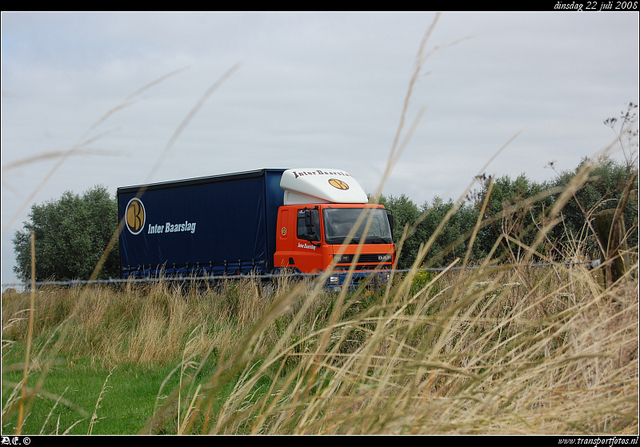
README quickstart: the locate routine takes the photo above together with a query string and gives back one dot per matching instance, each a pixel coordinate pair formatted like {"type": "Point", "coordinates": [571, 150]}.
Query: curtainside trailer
{"type": "Point", "coordinates": [254, 222]}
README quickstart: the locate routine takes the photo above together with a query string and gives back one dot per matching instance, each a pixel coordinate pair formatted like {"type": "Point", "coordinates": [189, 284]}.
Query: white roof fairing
{"type": "Point", "coordinates": [320, 186]}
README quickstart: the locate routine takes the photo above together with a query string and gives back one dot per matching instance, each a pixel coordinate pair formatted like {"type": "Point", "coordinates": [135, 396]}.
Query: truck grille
{"type": "Point", "coordinates": [368, 258]}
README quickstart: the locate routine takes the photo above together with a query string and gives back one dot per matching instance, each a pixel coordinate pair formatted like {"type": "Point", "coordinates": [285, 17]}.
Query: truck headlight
{"type": "Point", "coordinates": [334, 280]}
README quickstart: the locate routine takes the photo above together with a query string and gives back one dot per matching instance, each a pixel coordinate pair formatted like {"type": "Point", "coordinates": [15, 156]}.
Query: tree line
{"type": "Point", "coordinates": [503, 215]}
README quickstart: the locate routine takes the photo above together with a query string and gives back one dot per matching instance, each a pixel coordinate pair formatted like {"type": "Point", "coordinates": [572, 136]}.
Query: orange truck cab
{"type": "Point", "coordinates": [326, 221]}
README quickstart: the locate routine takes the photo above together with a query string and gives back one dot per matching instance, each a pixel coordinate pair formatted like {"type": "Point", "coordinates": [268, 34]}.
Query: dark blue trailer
{"type": "Point", "coordinates": [223, 224]}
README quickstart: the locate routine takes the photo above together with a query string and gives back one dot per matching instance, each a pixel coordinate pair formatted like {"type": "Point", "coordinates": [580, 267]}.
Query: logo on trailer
{"type": "Point", "coordinates": [135, 216]}
{"type": "Point", "coordinates": [338, 184]}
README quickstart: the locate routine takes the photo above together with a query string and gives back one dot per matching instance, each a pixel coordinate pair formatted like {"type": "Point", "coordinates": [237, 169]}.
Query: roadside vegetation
{"type": "Point", "coordinates": [495, 350]}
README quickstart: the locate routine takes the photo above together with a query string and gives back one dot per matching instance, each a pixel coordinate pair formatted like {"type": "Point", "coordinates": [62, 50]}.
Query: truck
{"type": "Point", "coordinates": [259, 222]}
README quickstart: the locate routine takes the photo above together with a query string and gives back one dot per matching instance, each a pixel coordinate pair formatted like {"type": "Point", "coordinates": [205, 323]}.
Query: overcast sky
{"type": "Point", "coordinates": [311, 89]}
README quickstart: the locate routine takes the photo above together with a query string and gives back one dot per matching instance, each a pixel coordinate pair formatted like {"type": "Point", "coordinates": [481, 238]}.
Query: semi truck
{"type": "Point", "coordinates": [260, 222]}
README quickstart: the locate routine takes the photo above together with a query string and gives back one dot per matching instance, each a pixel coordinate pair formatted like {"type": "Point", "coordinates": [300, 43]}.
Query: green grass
{"type": "Point", "coordinates": [127, 401]}
{"type": "Point", "coordinates": [81, 397]}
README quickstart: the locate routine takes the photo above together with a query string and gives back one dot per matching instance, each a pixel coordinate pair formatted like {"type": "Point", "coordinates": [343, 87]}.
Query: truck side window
{"type": "Point", "coordinates": [309, 224]}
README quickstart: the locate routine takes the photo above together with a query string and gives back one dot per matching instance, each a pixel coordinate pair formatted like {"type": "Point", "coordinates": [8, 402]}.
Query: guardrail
{"type": "Point", "coordinates": [590, 265]}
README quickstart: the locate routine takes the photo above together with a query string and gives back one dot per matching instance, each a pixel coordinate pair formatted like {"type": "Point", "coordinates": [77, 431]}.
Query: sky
{"type": "Point", "coordinates": [145, 97]}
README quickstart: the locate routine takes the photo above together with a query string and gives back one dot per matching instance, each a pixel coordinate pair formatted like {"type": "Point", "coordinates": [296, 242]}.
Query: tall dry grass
{"type": "Point", "coordinates": [497, 350]}
{"type": "Point", "coordinates": [491, 351]}
{"type": "Point", "coordinates": [153, 324]}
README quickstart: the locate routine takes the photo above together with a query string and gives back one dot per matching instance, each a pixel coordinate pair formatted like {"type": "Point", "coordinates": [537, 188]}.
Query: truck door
{"type": "Point", "coordinates": [308, 250]}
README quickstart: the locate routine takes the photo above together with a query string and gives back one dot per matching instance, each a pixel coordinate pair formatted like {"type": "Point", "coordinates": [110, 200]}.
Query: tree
{"type": "Point", "coordinates": [514, 208]}
{"type": "Point", "coordinates": [405, 214]}
{"type": "Point", "coordinates": [71, 234]}
{"type": "Point", "coordinates": [608, 184]}
{"type": "Point", "coordinates": [421, 224]}
{"type": "Point", "coordinates": [452, 241]}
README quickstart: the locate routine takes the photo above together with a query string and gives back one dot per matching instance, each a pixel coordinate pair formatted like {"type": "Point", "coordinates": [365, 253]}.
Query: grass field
{"type": "Point", "coordinates": [529, 350]}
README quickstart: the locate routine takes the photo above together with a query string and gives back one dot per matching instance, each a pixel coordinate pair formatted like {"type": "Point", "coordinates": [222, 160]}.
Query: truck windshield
{"type": "Point", "coordinates": [338, 222]}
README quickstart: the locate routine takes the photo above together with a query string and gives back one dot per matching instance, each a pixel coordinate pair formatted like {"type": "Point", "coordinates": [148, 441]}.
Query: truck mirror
{"type": "Point", "coordinates": [308, 224]}
{"type": "Point", "coordinates": [307, 219]}
{"type": "Point", "coordinates": [311, 217]}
